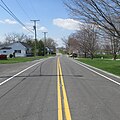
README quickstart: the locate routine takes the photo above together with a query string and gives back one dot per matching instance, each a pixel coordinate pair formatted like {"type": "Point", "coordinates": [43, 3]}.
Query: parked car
{"type": "Point", "coordinates": [70, 55]}
{"type": "Point", "coordinates": [74, 55]}
{"type": "Point", "coordinates": [3, 57]}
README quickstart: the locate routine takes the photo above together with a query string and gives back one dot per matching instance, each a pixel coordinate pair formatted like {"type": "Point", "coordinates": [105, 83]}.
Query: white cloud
{"type": "Point", "coordinates": [8, 21]}
{"type": "Point", "coordinates": [43, 29]}
{"type": "Point", "coordinates": [2, 22]}
{"type": "Point", "coordinates": [68, 24]}
{"type": "Point", "coordinates": [28, 26]}
{"type": "Point", "coordinates": [38, 27]}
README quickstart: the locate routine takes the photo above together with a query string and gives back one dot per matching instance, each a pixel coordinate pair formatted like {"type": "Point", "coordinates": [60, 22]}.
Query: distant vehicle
{"type": "Point", "coordinates": [70, 55]}
{"type": "Point", "coordinates": [74, 55]}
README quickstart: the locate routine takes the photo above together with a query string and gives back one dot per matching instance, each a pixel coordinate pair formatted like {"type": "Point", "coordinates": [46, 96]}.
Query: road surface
{"type": "Point", "coordinates": [57, 89]}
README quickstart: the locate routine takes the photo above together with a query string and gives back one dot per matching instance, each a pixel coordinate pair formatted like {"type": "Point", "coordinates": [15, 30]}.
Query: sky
{"type": "Point", "coordinates": [53, 15]}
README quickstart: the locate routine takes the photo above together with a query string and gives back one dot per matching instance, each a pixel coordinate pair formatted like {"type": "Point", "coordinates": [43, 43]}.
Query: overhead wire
{"type": "Point", "coordinates": [7, 9]}
{"type": "Point", "coordinates": [32, 6]}
{"type": "Point", "coordinates": [23, 9]}
{"type": "Point", "coordinates": [35, 13]}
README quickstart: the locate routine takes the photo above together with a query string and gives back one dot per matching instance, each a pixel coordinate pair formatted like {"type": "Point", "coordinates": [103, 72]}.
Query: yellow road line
{"type": "Point", "coordinates": [65, 100]}
{"type": "Point", "coordinates": [60, 117]}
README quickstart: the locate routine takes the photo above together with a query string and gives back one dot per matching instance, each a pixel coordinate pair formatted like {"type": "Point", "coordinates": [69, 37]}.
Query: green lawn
{"type": "Point", "coordinates": [111, 66]}
{"type": "Point", "coordinates": [21, 59]}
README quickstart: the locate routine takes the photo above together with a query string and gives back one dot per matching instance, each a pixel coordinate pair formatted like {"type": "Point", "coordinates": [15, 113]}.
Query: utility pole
{"type": "Point", "coordinates": [34, 27]}
{"type": "Point", "coordinates": [45, 37]}
{"type": "Point", "coordinates": [45, 40]}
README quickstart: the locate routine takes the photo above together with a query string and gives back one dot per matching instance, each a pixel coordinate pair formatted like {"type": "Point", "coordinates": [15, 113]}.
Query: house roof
{"type": "Point", "coordinates": [6, 46]}
{"type": "Point", "coordinates": [25, 44]}
{"type": "Point", "coordinates": [3, 45]}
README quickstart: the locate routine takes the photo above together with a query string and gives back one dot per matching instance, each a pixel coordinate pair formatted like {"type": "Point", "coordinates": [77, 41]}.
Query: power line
{"type": "Point", "coordinates": [7, 9]}
{"type": "Point", "coordinates": [35, 13]}
{"type": "Point", "coordinates": [23, 9]}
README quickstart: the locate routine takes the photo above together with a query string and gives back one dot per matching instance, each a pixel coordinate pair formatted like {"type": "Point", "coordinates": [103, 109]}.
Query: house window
{"type": "Point", "coordinates": [4, 51]}
{"type": "Point", "coordinates": [17, 51]}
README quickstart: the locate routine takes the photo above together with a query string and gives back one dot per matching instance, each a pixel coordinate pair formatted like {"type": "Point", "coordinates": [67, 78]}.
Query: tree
{"type": "Point", "coordinates": [51, 44]}
{"type": "Point", "coordinates": [73, 43]}
{"type": "Point", "coordinates": [115, 46]}
{"type": "Point", "coordinates": [83, 41]}
{"type": "Point", "coordinates": [40, 47]}
{"type": "Point", "coordinates": [111, 45]}
{"type": "Point", "coordinates": [65, 42]}
{"type": "Point", "coordinates": [31, 43]}
{"type": "Point", "coordinates": [104, 13]}
{"type": "Point", "coordinates": [87, 38]}
{"type": "Point", "coordinates": [13, 37]}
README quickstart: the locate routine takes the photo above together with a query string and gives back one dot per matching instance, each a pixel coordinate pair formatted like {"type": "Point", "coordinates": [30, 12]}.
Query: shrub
{"type": "Point", "coordinates": [10, 55]}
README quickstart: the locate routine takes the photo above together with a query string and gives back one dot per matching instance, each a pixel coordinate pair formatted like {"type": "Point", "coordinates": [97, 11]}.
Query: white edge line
{"type": "Point", "coordinates": [19, 73]}
{"type": "Point", "coordinates": [98, 73]}
{"type": "Point", "coordinates": [99, 69]}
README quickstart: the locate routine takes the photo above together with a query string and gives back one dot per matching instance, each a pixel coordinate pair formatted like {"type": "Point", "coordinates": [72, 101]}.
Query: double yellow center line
{"type": "Point", "coordinates": [62, 96]}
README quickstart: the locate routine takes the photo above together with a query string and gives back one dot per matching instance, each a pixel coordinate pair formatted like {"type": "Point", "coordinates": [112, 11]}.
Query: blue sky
{"type": "Point", "coordinates": [52, 14]}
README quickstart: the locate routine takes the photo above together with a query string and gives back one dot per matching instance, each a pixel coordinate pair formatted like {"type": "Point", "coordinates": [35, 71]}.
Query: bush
{"type": "Point", "coordinates": [10, 55]}
{"type": "Point", "coordinates": [104, 56]}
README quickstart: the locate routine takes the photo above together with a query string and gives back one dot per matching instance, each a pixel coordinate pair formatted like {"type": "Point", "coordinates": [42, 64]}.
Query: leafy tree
{"type": "Point", "coordinates": [40, 48]}
{"type": "Point", "coordinates": [31, 43]}
{"type": "Point", "coordinates": [51, 44]}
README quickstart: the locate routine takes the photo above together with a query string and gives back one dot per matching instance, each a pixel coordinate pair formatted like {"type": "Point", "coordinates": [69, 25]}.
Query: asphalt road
{"type": "Point", "coordinates": [57, 89]}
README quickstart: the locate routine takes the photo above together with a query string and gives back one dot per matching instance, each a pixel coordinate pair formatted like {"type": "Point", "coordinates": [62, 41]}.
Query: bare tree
{"type": "Point", "coordinates": [65, 42]}
{"type": "Point", "coordinates": [71, 43]}
{"type": "Point", "coordinates": [87, 38]}
{"type": "Point", "coordinates": [115, 43]}
{"type": "Point", "coordinates": [104, 13]}
{"type": "Point", "coordinates": [107, 49]}
{"type": "Point", "coordinates": [81, 37]}
{"type": "Point", "coordinates": [83, 41]}
{"type": "Point", "coordinates": [111, 45]}
{"type": "Point", "coordinates": [106, 45]}
{"type": "Point", "coordinates": [12, 37]}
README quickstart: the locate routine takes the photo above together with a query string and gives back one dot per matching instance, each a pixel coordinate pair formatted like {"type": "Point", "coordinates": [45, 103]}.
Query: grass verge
{"type": "Point", "coordinates": [111, 66]}
{"type": "Point", "coordinates": [21, 59]}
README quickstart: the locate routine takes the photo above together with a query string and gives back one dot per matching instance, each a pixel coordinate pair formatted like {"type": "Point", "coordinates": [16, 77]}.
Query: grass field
{"type": "Point", "coordinates": [21, 59]}
{"type": "Point", "coordinates": [111, 66]}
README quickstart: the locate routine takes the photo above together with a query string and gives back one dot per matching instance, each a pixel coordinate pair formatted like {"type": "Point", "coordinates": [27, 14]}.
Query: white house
{"type": "Point", "coordinates": [20, 49]}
